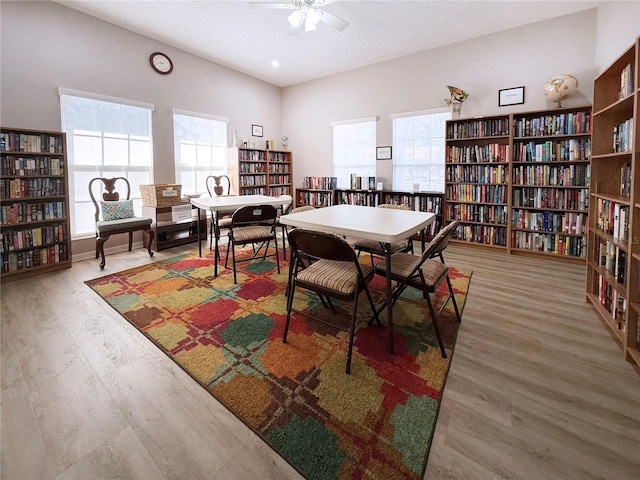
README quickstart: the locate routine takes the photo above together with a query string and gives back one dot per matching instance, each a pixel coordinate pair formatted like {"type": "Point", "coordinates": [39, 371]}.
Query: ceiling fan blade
{"type": "Point", "coordinates": [272, 6]}
{"type": "Point", "coordinates": [332, 20]}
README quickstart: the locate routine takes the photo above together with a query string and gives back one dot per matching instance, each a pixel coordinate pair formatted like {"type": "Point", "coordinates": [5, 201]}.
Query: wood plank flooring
{"type": "Point", "coordinates": [537, 389]}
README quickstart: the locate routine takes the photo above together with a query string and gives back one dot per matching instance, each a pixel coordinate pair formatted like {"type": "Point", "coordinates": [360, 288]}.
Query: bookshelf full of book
{"type": "Point", "coordinates": [613, 261]}
{"type": "Point", "coordinates": [34, 203]}
{"type": "Point", "coordinates": [550, 181]}
{"type": "Point", "coordinates": [316, 192]}
{"type": "Point", "coordinates": [477, 179]}
{"type": "Point", "coordinates": [520, 182]}
{"type": "Point", "coordinates": [255, 171]}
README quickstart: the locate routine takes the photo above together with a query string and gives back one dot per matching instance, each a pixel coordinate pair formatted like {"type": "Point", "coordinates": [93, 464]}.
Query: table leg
{"type": "Point", "coordinates": [199, 237]}
{"type": "Point", "coordinates": [216, 254]}
{"type": "Point", "coordinates": [387, 249]}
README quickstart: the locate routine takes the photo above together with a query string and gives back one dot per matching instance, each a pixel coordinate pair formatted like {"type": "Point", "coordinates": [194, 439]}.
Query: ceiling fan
{"type": "Point", "coordinates": [306, 14]}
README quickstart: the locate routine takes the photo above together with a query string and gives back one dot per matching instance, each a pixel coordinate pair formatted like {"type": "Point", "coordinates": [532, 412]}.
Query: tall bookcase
{"type": "Point", "coordinates": [255, 171]}
{"type": "Point", "coordinates": [550, 181]}
{"type": "Point", "coordinates": [477, 179]}
{"type": "Point", "coordinates": [34, 203]}
{"type": "Point", "coordinates": [613, 262]}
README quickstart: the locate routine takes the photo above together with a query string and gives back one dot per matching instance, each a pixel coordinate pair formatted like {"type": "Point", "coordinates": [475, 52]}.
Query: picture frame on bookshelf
{"type": "Point", "coordinates": [256, 130]}
{"type": "Point", "coordinates": [510, 96]}
{"type": "Point", "coordinates": [383, 153]}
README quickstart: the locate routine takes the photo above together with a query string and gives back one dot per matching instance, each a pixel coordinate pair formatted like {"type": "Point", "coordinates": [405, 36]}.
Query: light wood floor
{"type": "Point", "coordinates": [537, 389]}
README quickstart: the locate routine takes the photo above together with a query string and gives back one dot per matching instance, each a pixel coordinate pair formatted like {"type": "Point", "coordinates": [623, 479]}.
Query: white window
{"type": "Point", "coordinates": [354, 150]}
{"type": "Point", "coordinates": [200, 149]}
{"type": "Point", "coordinates": [419, 150]}
{"type": "Point", "coordinates": [106, 137]}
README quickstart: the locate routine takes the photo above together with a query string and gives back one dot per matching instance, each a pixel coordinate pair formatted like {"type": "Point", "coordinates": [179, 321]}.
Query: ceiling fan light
{"type": "Point", "coordinates": [309, 26]}
{"type": "Point", "coordinates": [295, 19]}
{"type": "Point", "coordinates": [313, 16]}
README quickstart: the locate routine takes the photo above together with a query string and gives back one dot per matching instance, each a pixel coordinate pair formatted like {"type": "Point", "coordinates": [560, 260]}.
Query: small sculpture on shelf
{"type": "Point", "coordinates": [458, 96]}
{"type": "Point", "coordinates": [285, 142]}
{"type": "Point", "coordinates": [560, 87]}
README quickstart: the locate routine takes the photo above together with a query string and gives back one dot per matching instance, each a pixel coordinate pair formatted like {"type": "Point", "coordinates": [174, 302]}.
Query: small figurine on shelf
{"type": "Point", "coordinates": [458, 96]}
{"type": "Point", "coordinates": [235, 139]}
{"type": "Point", "coordinates": [285, 142]}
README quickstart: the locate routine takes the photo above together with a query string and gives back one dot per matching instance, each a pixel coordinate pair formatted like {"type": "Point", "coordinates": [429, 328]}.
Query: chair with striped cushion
{"type": "Point", "coordinates": [255, 225]}
{"type": "Point", "coordinates": [375, 248]}
{"type": "Point", "coordinates": [326, 264]}
{"type": "Point", "coordinates": [424, 273]}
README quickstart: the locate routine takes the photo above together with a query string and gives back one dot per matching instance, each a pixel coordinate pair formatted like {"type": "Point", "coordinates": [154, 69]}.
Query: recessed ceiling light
{"type": "Point", "coordinates": [275, 63]}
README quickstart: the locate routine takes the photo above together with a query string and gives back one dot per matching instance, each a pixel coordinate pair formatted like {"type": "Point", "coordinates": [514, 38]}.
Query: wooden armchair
{"type": "Point", "coordinates": [115, 216]}
{"type": "Point", "coordinates": [217, 186]}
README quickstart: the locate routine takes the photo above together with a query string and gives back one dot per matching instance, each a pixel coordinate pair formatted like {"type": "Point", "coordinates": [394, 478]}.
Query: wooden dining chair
{"type": "Point", "coordinates": [424, 273]}
{"type": "Point", "coordinates": [114, 216]}
{"type": "Point", "coordinates": [218, 186]}
{"type": "Point", "coordinates": [255, 225]}
{"type": "Point", "coordinates": [326, 264]}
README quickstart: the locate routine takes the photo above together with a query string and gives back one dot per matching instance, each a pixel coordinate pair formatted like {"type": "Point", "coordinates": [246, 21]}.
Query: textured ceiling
{"type": "Point", "coordinates": [233, 34]}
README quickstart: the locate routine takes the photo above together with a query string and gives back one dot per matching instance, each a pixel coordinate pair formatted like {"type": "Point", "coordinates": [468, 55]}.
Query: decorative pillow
{"type": "Point", "coordinates": [117, 210]}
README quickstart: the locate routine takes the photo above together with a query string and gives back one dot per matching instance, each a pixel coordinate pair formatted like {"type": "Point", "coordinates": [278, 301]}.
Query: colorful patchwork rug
{"type": "Point", "coordinates": [376, 423]}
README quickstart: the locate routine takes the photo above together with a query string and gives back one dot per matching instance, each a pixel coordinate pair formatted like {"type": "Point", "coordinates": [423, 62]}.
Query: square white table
{"type": "Point", "coordinates": [384, 225]}
{"type": "Point", "coordinates": [227, 203]}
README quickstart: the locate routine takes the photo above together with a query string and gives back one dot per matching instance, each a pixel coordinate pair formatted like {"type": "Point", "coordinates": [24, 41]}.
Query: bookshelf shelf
{"type": "Point", "coordinates": [614, 209]}
{"type": "Point", "coordinates": [34, 203]}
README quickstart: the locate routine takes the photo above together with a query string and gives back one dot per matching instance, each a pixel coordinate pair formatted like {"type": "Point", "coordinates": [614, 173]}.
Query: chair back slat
{"type": "Point", "coordinates": [255, 215]}
{"type": "Point", "coordinates": [218, 185]}
{"type": "Point", "coordinates": [108, 191]}
{"type": "Point", "coordinates": [321, 245]}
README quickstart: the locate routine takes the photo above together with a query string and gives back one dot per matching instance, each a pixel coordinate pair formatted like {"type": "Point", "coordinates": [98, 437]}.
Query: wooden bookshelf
{"type": "Point", "coordinates": [256, 171]}
{"type": "Point", "coordinates": [613, 258]}
{"type": "Point", "coordinates": [477, 179]}
{"type": "Point", "coordinates": [550, 172]}
{"type": "Point", "coordinates": [316, 191]}
{"type": "Point", "coordinates": [520, 182]}
{"type": "Point", "coordinates": [34, 203]}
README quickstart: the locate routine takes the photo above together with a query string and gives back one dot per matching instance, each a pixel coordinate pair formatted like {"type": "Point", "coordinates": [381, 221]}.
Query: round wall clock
{"type": "Point", "coordinates": [161, 63]}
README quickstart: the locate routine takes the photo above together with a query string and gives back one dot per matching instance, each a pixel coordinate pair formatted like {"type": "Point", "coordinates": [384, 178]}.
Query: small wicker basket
{"type": "Point", "coordinates": [161, 195]}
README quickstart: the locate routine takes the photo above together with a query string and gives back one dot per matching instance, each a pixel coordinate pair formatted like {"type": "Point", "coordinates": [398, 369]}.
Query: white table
{"type": "Point", "coordinates": [230, 203]}
{"type": "Point", "coordinates": [384, 225]}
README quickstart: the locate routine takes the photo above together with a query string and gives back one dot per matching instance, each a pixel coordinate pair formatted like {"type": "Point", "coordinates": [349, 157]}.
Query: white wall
{"type": "Point", "coordinates": [45, 45]}
{"type": "Point", "coordinates": [618, 27]}
{"type": "Point", "coordinates": [527, 56]}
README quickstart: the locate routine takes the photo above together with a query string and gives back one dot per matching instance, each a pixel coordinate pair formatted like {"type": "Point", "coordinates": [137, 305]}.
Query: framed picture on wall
{"type": "Point", "coordinates": [511, 96]}
{"type": "Point", "coordinates": [383, 153]}
{"type": "Point", "coordinates": [256, 130]}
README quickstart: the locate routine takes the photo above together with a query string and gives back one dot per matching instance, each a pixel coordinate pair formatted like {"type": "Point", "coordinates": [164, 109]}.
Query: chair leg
{"type": "Point", "coordinates": [373, 307]}
{"type": "Point", "coordinates": [275, 239]}
{"type": "Point", "coordinates": [284, 241]}
{"type": "Point", "coordinates": [291, 289]}
{"type": "Point", "coordinates": [453, 299]}
{"type": "Point", "coordinates": [435, 326]}
{"type": "Point", "coordinates": [233, 255]}
{"type": "Point", "coordinates": [100, 247]}
{"type": "Point", "coordinates": [352, 332]}
{"type": "Point", "coordinates": [150, 234]}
